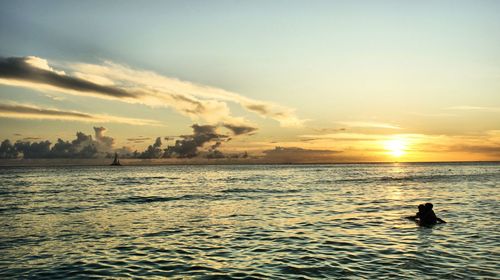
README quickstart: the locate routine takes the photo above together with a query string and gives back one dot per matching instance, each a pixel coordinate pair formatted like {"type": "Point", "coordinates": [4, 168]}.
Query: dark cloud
{"type": "Point", "coordinates": [491, 149]}
{"type": "Point", "coordinates": [124, 151]}
{"type": "Point", "coordinates": [216, 145]}
{"type": "Point", "coordinates": [23, 109]}
{"type": "Point", "coordinates": [309, 139]}
{"type": "Point", "coordinates": [34, 150]}
{"type": "Point", "coordinates": [63, 149]}
{"type": "Point", "coordinates": [197, 108]}
{"type": "Point", "coordinates": [153, 151]}
{"type": "Point", "coordinates": [188, 146]}
{"type": "Point", "coordinates": [259, 108]}
{"type": "Point", "coordinates": [83, 146]}
{"type": "Point", "coordinates": [31, 138]}
{"type": "Point", "coordinates": [138, 139]}
{"type": "Point", "coordinates": [295, 154]}
{"type": "Point", "coordinates": [215, 154]}
{"type": "Point", "coordinates": [17, 68]}
{"type": "Point", "coordinates": [213, 151]}
{"type": "Point", "coordinates": [29, 111]}
{"type": "Point", "coordinates": [239, 129]}
{"type": "Point", "coordinates": [7, 150]}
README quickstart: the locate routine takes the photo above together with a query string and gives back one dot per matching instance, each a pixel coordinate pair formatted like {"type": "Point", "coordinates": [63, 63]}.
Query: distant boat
{"type": "Point", "coordinates": [116, 161]}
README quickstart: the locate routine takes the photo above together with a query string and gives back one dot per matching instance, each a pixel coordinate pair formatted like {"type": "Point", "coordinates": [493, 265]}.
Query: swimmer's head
{"type": "Point", "coordinates": [421, 208]}
{"type": "Point", "coordinates": [429, 206]}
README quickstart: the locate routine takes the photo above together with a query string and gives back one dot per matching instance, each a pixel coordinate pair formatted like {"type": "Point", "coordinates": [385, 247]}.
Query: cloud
{"type": "Point", "coordinates": [491, 149]}
{"type": "Point", "coordinates": [83, 146]}
{"type": "Point", "coordinates": [188, 146]}
{"type": "Point", "coordinates": [474, 108]}
{"type": "Point", "coordinates": [153, 151]}
{"type": "Point", "coordinates": [118, 82]}
{"type": "Point", "coordinates": [341, 136]}
{"type": "Point", "coordinates": [301, 155]}
{"type": "Point", "coordinates": [213, 152]}
{"type": "Point", "coordinates": [240, 129]}
{"type": "Point", "coordinates": [25, 111]}
{"type": "Point", "coordinates": [326, 130]}
{"type": "Point", "coordinates": [34, 150]}
{"type": "Point", "coordinates": [437, 115]}
{"type": "Point", "coordinates": [105, 143]}
{"type": "Point", "coordinates": [204, 140]}
{"type": "Point", "coordinates": [36, 70]}
{"type": "Point", "coordinates": [7, 150]}
{"type": "Point", "coordinates": [368, 124]}
{"type": "Point", "coordinates": [139, 139]}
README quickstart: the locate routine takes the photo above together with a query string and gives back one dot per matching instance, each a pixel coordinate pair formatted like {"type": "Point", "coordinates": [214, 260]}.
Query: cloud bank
{"type": "Point", "coordinates": [297, 154]}
{"type": "Point", "coordinates": [204, 141]}
{"type": "Point", "coordinates": [118, 82]}
{"type": "Point", "coordinates": [83, 146]}
{"type": "Point", "coordinates": [36, 70]}
{"type": "Point", "coordinates": [25, 111]}
{"type": "Point", "coordinates": [188, 145]}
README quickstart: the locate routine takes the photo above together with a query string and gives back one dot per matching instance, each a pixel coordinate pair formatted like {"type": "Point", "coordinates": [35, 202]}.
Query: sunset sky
{"type": "Point", "coordinates": [324, 80]}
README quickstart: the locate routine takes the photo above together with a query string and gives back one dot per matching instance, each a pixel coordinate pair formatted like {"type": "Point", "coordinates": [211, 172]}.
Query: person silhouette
{"type": "Point", "coordinates": [419, 214]}
{"type": "Point", "coordinates": [425, 215]}
{"type": "Point", "coordinates": [429, 217]}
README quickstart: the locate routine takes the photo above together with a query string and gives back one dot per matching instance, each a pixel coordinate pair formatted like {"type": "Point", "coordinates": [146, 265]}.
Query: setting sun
{"type": "Point", "coordinates": [396, 147]}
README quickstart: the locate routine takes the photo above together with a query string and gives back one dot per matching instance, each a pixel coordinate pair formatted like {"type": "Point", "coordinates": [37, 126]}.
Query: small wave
{"type": "Point", "coordinates": [244, 179]}
{"type": "Point", "coordinates": [411, 178]}
{"type": "Point", "coordinates": [308, 271]}
{"type": "Point", "coordinates": [48, 210]}
{"type": "Point", "coordinates": [153, 199]}
{"type": "Point", "coordinates": [163, 233]}
{"type": "Point", "coordinates": [143, 199]}
{"type": "Point", "coordinates": [9, 209]}
{"type": "Point", "coordinates": [239, 190]}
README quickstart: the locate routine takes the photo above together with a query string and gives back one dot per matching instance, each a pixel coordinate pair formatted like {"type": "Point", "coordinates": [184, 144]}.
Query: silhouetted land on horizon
{"type": "Point", "coordinates": [193, 161]}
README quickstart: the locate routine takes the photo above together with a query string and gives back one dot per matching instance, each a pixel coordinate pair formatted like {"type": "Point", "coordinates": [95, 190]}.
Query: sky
{"type": "Point", "coordinates": [314, 81]}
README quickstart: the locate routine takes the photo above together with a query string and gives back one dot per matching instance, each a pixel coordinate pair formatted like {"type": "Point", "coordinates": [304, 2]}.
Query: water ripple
{"type": "Point", "coordinates": [249, 222]}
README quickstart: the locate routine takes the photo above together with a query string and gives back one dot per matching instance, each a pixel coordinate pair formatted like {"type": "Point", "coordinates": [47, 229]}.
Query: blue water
{"type": "Point", "coordinates": [249, 222]}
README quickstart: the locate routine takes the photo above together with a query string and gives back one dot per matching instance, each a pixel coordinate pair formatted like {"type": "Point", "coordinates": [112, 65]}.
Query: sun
{"type": "Point", "coordinates": [396, 147]}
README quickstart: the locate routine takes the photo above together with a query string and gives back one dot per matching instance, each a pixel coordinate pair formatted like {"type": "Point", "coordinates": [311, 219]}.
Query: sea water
{"type": "Point", "coordinates": [249, 222]}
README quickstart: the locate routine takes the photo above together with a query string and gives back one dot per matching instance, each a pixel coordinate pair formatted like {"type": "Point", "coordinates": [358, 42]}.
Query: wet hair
{"type": "Point", "coordinates": [429, 205]}
{"type": "Point", "coordinates": [421, 208]}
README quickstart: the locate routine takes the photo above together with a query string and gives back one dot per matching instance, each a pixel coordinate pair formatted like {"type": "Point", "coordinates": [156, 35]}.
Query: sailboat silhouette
{"type": "Point", "coordinates": [116, 161]}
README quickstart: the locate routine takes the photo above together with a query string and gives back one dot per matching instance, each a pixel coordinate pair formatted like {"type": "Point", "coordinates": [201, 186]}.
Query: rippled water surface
{"type": "Point", "coordinates": [280, 222]}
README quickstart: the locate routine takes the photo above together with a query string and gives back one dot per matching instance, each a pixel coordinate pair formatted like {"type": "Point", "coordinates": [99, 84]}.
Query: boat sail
{"type": "Point", "coordinates": [116, 161]}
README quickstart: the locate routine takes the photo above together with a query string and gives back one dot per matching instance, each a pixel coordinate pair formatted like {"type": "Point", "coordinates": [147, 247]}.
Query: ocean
{"type": "Point", "coordinates": [249, 221]}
